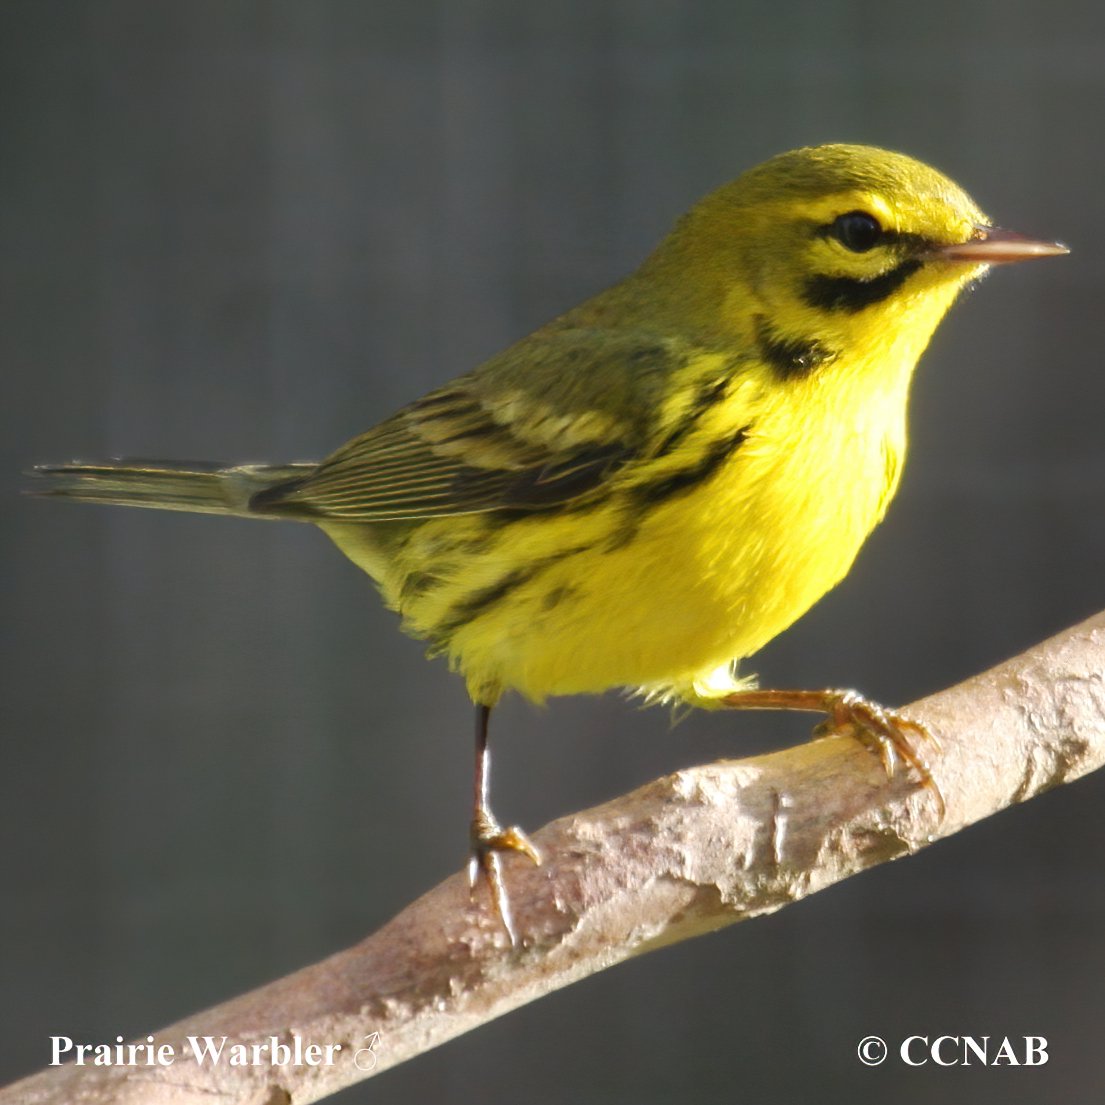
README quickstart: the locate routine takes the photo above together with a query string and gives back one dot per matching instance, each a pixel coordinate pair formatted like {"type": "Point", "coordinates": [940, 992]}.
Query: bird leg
{"type": "Point", "coordinates": [488, 838]}
{"type": "Point", "coordinates": [893, 736]}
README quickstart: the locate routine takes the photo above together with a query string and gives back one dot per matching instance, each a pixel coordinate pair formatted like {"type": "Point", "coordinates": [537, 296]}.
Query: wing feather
{"type": "Point", "coordinates": [545, 423]}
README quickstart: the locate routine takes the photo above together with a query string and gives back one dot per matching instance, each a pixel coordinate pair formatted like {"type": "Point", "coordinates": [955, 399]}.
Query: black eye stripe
{"type": "Point", "coordinates": [900, 239]}
{"type": "Point", "coordinates": [860, 233]}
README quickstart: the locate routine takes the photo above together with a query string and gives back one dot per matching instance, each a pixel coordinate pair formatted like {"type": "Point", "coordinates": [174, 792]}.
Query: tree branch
{"type": "Point", "coordinates": [684, 855]}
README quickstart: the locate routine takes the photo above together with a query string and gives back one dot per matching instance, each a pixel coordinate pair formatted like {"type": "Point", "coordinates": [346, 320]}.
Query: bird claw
{"type": "Point", "coordinates": [489, 841]}
{"type": "Point", "coordinates": [885, 732]}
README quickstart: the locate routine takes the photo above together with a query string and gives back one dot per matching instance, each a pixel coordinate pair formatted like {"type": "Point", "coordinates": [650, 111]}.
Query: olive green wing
{"type": "Point", "coordinates": [546, 422]}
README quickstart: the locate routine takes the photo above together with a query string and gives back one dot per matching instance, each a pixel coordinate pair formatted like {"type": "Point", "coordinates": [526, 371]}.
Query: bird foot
{"type": "Point", "coordinates": [893, 736]}
{"type": "Point", "coordinates": [489, 840]}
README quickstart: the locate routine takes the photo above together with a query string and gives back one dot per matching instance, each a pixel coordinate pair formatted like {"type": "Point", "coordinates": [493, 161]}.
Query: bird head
{"type": "Point", "coordinates": [853, 246]}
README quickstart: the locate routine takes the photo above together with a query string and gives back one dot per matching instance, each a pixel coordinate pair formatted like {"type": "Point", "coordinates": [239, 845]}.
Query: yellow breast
{"type": "Point", "coordinates": [592, 598]}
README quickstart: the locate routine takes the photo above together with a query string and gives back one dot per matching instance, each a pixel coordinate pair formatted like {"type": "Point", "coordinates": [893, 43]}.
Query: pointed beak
{"type": "Point", "coordinates": [993, 246]}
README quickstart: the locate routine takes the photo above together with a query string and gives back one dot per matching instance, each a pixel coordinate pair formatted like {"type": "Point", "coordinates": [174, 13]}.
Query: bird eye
{"type": "Point", "coordinates": [856, 231]}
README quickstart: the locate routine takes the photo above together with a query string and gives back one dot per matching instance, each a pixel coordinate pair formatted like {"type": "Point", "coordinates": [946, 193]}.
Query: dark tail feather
{"type": "Point", "coordinates": [201, 486]}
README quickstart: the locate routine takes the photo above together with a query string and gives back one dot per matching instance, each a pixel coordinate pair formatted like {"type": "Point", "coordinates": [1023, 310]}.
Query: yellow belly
{"type": "Point", "coordinates": [584, 600]}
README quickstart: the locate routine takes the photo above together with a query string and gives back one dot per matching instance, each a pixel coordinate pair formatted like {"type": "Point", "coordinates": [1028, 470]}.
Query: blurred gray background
{"type": "Point", "coordinates": [248, 231]}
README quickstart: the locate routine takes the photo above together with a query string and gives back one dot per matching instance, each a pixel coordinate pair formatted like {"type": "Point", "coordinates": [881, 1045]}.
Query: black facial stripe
{"type": "Point", "coordinates": [847, 293]}
{"type": "Point", "coordinates": [791, 358]}
{"type": "Point", "coordinates": [901, 240]}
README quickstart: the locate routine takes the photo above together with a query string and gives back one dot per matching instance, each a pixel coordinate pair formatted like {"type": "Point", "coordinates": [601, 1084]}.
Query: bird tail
{"type": "Point", "coordinates": [201, 486]}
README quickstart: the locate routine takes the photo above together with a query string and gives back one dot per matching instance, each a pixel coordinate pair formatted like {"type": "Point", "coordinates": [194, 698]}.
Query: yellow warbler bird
{"type": "Point", "coordinates": [652, 486]}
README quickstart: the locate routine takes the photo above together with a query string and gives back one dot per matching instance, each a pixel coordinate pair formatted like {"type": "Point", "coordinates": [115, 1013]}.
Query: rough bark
{"type": "Point", "coordinates": [684, 855]}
